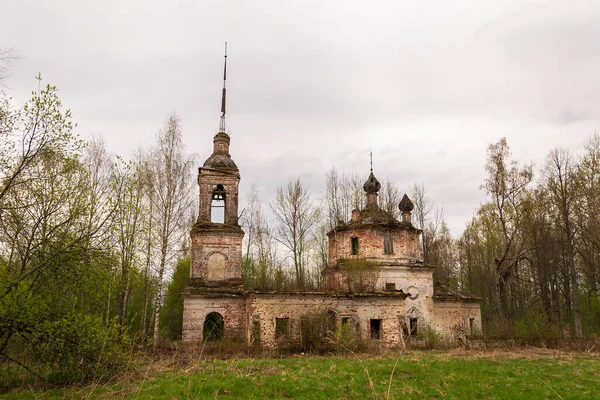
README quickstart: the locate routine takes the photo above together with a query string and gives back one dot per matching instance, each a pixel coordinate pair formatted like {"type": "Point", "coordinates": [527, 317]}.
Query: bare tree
{"type": "Point", "coordinates": [334, 200]}
{"type": "Point", "coordinates": [296, 218]}
{"type": "Point", "coordinates": [389, 198]}
{"type": "Point", "coordinates": [423, 207]}
{"type": "Point", "coordinates": [343, 193]}
{"type": "Point", "coordinates": [171, 185]}
{"type": "Point", "coordinates": [560, 174]}
{"type": "Point", "coordinates": [7, 57]}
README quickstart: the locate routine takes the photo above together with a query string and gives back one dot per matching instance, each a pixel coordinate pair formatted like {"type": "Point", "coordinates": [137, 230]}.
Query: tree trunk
{"type": "Point", "coordinates": [157, 300]}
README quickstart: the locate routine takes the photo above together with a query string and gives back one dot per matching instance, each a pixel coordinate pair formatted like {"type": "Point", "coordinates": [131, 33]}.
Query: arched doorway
{"type": "Point", "coordinates": [214, 326]}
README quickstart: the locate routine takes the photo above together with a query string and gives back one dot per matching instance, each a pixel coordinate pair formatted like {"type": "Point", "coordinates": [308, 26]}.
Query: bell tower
{"type": "Point", "coordinates": [217, 235]}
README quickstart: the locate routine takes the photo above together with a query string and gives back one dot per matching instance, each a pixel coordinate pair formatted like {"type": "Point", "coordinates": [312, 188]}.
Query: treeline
{"type": "Point", "coordinates": [533, 251]}
{"type": "Point", "coordinates": [87, 241]}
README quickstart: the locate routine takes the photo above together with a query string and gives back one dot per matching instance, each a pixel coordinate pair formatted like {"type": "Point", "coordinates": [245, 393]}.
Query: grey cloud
{"type": "Point", "coordinates": [424, 85]}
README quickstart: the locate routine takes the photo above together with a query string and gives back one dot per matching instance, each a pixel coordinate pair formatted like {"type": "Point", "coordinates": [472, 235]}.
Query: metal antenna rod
{"type": "Point", "coordinates": [222, 122]}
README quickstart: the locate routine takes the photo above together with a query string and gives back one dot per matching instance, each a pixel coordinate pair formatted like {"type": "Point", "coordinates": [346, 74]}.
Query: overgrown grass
{"type": "Point", "coordinates": [459, 374]}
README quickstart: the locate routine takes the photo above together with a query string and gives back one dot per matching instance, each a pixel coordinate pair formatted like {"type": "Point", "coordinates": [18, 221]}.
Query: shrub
{"type": "Point", "coordinates": [80, 347]}
{"type": "Point", "coordinates": [313, 332]}
{"type": "Point", "coordinates": [430, 337]}
{"type": "Point", "coordinates": [536, 328]}
{"type": "Point", "coordinates": [347, 338]}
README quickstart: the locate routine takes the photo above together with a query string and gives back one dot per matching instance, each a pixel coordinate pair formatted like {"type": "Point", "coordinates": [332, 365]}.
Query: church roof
{"type": "Point", "coordinates": [446, 293]}
{"type": "Point", "coordinates": [220, 159]}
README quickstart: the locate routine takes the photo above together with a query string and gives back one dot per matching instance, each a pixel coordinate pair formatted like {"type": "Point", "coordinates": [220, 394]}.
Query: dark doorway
{"type": "Point", "coordinates": [414, 326]}
{"type": "Point", "coordinates": [214, 326]}
{"type": "Point", "coordinates": [354, 246]}
{"type": "Point", "coordinates": [376, 329]}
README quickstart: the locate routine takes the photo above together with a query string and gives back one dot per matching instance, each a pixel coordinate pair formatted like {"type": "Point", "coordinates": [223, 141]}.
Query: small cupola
{"type": "Point", "coordinates": [371, 187]}
{"type": "Point", "coordinates": [406, 206]}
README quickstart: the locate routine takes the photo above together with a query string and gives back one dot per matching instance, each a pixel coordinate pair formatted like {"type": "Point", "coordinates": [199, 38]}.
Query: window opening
{"type": "Point", "coordinates": [282, 326]}
{"type": "Point", "coordinates": [331, 321]}
{"type": "Point", "coordinates": [376, 329]}
{"type": "Point", "coordinates": [345, 321]}
{"type": "Point", "coordinates": [217, 205]}
{"type": "Point", "coordinates": [414, 326]}
{"type": "Point", "coordinates": [388, 243]}
{"type": "Point", "coordinates": [214, 327]}
{"type": "Point", "coordinates": [354, 246]}
{"type": "Point", "coordinates": [390, 286]}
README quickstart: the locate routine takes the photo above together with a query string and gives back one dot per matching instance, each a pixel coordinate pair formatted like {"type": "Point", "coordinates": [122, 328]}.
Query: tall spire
{"type": "Point", "coordinates": [371, 162]}
{"type": "Point", "coordinates": [222, 122]}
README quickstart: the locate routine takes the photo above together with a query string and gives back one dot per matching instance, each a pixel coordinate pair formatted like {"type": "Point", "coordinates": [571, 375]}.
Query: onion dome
{"type": "Point", "coordinates": [406, 205]}
{"type": "Point", "coordinates": [372, 185]}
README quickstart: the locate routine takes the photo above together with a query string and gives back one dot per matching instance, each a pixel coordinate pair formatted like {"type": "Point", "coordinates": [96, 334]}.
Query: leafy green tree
{"type": "Point", "coordinates": [54, 263]}
{"type": "Point", "coordinates": [506, 184]}
{"type": "Point", "coordinates": [171, 313]}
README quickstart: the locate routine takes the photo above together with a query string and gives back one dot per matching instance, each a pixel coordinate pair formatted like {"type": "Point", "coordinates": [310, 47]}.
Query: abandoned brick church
{"type": "Point", "coordinates": [376, 279]}
{"type": "Point", "coordinates": [376, 282]}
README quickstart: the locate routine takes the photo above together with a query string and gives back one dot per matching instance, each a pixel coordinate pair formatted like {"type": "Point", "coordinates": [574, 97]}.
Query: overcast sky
{"type": "Point", "coordinates": [425, 85]}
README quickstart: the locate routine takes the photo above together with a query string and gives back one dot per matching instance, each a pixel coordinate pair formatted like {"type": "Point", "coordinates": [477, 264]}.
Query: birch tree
{"type": "Point", "coordinates": [171, 185]}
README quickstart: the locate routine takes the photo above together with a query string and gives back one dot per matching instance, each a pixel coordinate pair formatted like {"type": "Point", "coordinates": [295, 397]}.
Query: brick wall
{"type": "Point", "coordinates": [226, 242]}
{"type": "Point", "coordinates": [406, 245]}
{"type": "Point", "coordinates": [267, 307]}
{"type": "Point", "coordinates": [208, 181]}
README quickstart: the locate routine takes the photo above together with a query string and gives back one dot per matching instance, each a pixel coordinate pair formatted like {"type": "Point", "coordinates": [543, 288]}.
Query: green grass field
{"type": "Point", "coordinates": [417, 375]}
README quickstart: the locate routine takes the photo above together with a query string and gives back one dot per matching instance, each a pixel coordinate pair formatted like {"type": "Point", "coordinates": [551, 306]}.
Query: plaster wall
{"type": "Point", "coordinates": [453, 317]}
{"type": "Point", "coordinates": [418, 283]}
{"type": "Point", "coordinates": [196, 308]}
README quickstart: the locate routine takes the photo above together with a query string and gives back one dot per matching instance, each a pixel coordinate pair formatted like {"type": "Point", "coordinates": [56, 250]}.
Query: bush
{"type": "Point", "coordinates": [347, 338]}
{"type": "Point", "coordinates": [430, 337]}
{"type": "Point", "coordinates": [536, 328]}
{"type": "Point", "coordinates": [313, 332]}
{"type": "Point", "coordinates": [80, 347]}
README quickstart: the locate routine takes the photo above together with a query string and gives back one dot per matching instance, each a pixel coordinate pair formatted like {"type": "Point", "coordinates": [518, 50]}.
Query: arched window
{"type": "Point", "coordinates": [217, 206]}
{"type": "Point", "coordinates": [214, 326]}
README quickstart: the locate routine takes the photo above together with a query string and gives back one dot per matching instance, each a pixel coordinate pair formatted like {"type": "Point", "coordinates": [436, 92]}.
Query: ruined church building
{"type": "Point", "coordinates": [376, 280]}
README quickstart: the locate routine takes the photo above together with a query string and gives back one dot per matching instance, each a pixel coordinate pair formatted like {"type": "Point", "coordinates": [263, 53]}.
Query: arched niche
{"type": "Point", "coordinates": [215, 267]}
